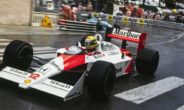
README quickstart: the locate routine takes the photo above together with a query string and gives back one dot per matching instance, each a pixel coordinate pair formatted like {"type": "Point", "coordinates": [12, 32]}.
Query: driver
{"type": "Point", "coordinates": [90, 43]}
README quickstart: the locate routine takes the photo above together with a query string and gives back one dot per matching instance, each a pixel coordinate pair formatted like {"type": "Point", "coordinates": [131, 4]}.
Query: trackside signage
{"type": "Point", "coordinates": [126, 33]}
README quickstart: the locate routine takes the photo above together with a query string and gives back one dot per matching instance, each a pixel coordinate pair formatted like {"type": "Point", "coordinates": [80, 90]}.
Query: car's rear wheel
{"type": "Point", "coordinates": [147, 61]}
{"type": "Point", "coordinates": [18, 54]}
{"type": "Point", "coordinates": [100, 80]}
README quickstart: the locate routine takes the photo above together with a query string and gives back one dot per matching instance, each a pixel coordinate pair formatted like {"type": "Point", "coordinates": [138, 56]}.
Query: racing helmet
{"type": "Point", "coordinates": [90, 43]}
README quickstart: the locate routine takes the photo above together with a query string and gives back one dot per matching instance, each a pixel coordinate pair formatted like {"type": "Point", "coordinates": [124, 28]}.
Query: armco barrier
{"type": "Point", "coordinates": [167, 24]}
{"type": "Point", "coordinates": [151, 22]}
{"type": "Point", "coordinates": [76, 26]}
{"type": "Point", "coordinates": [38, 17]}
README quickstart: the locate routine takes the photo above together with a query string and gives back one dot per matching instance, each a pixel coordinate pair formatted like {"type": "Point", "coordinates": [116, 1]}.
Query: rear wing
{"type": "Point", "coordinates": [125, 35]}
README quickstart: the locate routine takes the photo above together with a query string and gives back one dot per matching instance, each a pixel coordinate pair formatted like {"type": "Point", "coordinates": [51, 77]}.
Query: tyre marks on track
{"type": "Point", "coordinates": [149, 91]}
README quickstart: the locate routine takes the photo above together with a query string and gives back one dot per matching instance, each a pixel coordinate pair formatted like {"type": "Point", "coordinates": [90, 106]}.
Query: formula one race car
{"type": "Point", "coordinates": [74, 67]}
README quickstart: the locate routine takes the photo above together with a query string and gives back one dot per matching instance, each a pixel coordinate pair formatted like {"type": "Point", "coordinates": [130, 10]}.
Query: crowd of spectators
{"type": "Point", "coordinates": [165, 16]}
{"type": "Point", "coordinates": [172, 17]}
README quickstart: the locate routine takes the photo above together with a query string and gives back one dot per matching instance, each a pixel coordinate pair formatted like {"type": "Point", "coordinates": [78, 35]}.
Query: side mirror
{"type": "Point", "coordinates": [79, 44]}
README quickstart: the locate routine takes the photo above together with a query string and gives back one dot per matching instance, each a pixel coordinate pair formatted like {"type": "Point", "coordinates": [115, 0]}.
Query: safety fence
{"type": "Point", "coordinates": [133, 20]}
{"type": "Point", "coordinates": [37, 18]}
{"type": "Point", "coordinates": [76, 26]}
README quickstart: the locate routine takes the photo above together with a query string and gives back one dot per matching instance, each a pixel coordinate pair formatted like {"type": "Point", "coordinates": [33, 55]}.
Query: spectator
{"type": "Point", "coordinates": [89, 7]}
{"type": "Point", "coordinates": [182, 18]}
{"type": "Point", "coordinates": [117, 23]}
{"type": "Point", "coordinates": [178, 18]}
{"type": "Point", "coordinates": [145, 14]}
{"type": "Point", "coordinates": [150, 15]}
{"type": "Point", "coordinates": [124, 10]}
{"type": "Point", "coordinates": [134, 12]}
{"type": "Point", "coordinates": [128, 12]}
{"type": "Point", "coordinates": [166, 17]}
{"type": "Point", "coordinates": [157, 16]}
{"type": "Point", "coordinates": [172, 18]}
{"type": "Point", "coordinates": [80, 7]}
{"type": "Point", "coordinates": [119, 11]}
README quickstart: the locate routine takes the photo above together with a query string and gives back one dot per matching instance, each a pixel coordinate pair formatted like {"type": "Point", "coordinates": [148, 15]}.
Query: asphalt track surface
{"type": "Point", "coordinates": [164, 91]}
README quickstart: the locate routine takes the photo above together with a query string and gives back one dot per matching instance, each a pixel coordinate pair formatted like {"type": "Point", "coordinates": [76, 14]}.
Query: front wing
{"type": "Point", "coordinates": [50, 86]}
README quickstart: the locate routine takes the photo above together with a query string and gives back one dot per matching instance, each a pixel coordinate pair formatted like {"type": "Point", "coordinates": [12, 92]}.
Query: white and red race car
{"type": "Point", "coordinates": [74, 67]}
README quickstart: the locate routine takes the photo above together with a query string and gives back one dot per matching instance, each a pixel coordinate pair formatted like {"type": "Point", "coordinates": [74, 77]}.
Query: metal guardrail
{"type": "Point", "coordinates": [72, 25]}
{"type": "Point", "coordinates": [76, 26]}
{"type": "Point", "coordinates": [38, 17]}
{"type": "Point", "coordinates": [152, 22]}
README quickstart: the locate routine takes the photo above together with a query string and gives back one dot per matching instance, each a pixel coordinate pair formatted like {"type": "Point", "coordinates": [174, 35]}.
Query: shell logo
{"type": "Point", "coordinates": [27, 81]}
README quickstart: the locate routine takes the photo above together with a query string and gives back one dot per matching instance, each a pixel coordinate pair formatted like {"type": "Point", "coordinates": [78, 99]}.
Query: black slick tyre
{"type": "Point", "coordinates": [18, 54]}
{"type": "Point", "coordinates": [147, 61]}
{"type": "Point", "coordinates": [100, 80]}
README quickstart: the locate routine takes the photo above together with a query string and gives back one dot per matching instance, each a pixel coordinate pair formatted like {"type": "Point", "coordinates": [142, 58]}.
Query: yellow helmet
{"type": "Point", "coordinates": [90, 43]}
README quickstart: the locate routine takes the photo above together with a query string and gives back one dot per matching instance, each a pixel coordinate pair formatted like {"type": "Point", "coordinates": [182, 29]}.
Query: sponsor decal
{"type": "Point", "coordinates": [118, 70]}
{"type": "Point", "coordinates": [133, 20]}
{"type": "Point", "coordinates": [113, 53]}
{"type": "Point", "coordinates": [27, 81]}
{"type": "Point", "coordinates": [127, 34]}
{"type": "Point", "coordinates": [98, 56]}
{"type": "Point", "coordinates": [149, 21]}
{"type": "Point", "coordinates": [19, 72]}
{"type": "Point", "coordinates": [60, 84]}
{"type": "Point", "coordinates": [141, 21]}
{"type": "Point", "coordinates": [34, 76]}
{"type": "Point", "coordinates": [125, 19]}
{"type": "Point", "coordinates": [44, 70]}
{"type": "Point", "coordinates": [110, 17]}
{"type": "Point", "coordinates": [53, 63]}
{"type": "Point", "coordinates": [95, 14]}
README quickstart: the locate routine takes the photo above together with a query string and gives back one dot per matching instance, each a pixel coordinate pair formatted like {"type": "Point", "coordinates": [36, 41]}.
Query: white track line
{"type": "Point", "coordinates": [149, 91]}
{"type": "Point", "coordinates": [179, 36]}
{"type": "Point", "coordinates": [180, 108]}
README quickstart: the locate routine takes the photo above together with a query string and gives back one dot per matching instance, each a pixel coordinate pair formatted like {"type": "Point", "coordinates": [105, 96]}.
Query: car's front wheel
{"type": "Point", "coordinates": [100, 80]}
{"type": "Point", "coordinates": [18, 54]}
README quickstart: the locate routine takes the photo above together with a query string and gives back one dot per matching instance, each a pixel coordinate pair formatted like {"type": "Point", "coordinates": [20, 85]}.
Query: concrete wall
{"type": "Point", "coordinates": [15, 12]}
